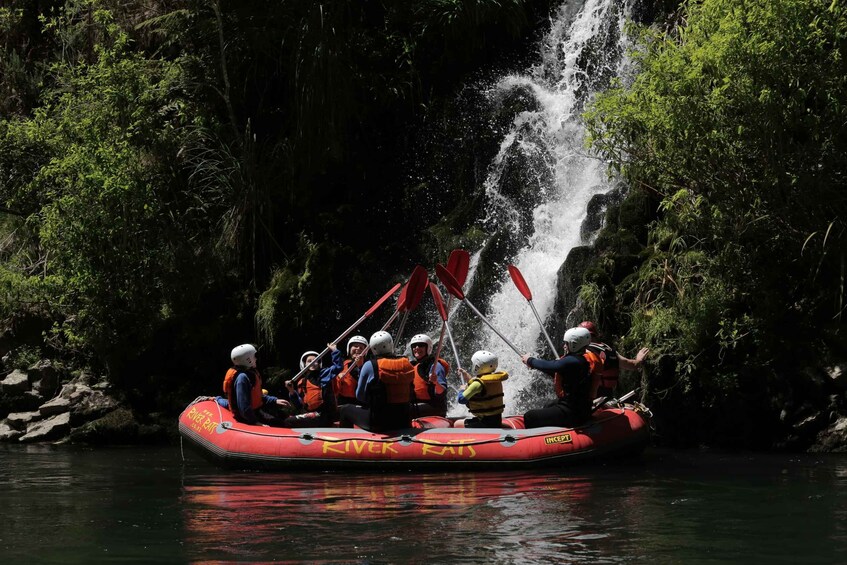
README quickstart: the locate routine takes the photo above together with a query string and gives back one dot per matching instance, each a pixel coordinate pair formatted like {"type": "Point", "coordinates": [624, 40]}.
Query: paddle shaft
{"type": "Point", "coordinates": [347, 332]}
{"type": "Point", "coordinates": [368, 347]}
{"type": "Point", "coordinates": [487, 323]}
{"type": "Point", "coordinates": [540, 323]}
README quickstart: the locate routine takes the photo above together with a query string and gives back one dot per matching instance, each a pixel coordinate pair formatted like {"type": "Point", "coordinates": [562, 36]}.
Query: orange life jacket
{"type": "Point", "coordinates": [396, 374]}
{"type": "Point", "coordinates": [313, 393]}
{"type": "Point", "coordinates": [347, 384]}
{"type": "Point", "coordinates": [256, 400]}
{"type": "Point", "coordinates": [426, 389]}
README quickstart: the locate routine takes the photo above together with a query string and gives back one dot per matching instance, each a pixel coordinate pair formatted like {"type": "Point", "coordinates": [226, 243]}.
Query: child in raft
{"type": "Point", "coordinates": [316, 391]}
{"type": "Point", "coordinates": [483, 393]}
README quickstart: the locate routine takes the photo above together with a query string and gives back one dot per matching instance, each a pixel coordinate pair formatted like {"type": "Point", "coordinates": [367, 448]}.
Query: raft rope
{"type": "Point", "coordinates": [404, 438]}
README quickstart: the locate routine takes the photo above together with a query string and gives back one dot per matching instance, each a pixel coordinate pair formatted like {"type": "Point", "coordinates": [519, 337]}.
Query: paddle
{"type": "Point", "coordinates": [415, 291]}
{"type": "Point", "coordinates": [458, 264]}
{"type": "Point", "coordinates": [519, 281]}
{"type": "Point", "coordinates": [442, 311]}
{"type": "Point", "coordinates": [349, 330]}
{"type": "Point", "coordinates": [409, 299]}
{"type": "Point", "coordinates": [599, 402]}
{"type": "Point", "coordinates": [453, 288]}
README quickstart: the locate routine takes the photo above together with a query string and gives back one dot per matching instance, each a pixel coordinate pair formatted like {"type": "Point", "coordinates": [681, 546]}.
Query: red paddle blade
{"type": "Point", "coordinates": [439, 302]}
{"type": "Point", "coordinates": [449, 281]}
{"type": "Point", "coordinates": [417, 286]}
{"type": "Point", "coordinates": [403, 298]}
{"type": "Point", "coordinates": [519, 281]}
{"type": "Point", "coordinates": [458, 265]}
{"type": "Point", "coordinates": [382, 300]}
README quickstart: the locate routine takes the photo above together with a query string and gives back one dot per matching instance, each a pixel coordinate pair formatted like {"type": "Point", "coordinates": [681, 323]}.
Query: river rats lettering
{"type": "Point", "coordinates": [358, 446]}
{"type": "Point", "coordinates": [201, 420]}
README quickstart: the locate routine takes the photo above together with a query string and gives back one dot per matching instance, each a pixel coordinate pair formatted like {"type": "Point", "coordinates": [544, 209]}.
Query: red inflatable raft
{"type": "Point", "coordinates": [431, 443]}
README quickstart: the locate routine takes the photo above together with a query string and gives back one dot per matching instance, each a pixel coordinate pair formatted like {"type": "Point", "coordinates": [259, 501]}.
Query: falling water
{"type": "Point", "coordinates": [579, 56]}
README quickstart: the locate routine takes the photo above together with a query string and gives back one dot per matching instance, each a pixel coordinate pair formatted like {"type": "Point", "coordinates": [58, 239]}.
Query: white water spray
{"type": "Point", "coordinates": [581, 49]}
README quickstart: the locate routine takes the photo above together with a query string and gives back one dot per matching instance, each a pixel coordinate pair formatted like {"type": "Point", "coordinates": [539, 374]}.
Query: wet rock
{"type": "Point", "coordinates": [58, 405]}
{"type": "Point", "coordinates": [833, 438]}
{"type": "Point", "coordinates": [15, 383]}
{"type": "Point", "coordinates": [51, 428]}
{"type": "Point", "coordinates": [597, 206]}
{"type": "Point", "coordinates": [20, 420]}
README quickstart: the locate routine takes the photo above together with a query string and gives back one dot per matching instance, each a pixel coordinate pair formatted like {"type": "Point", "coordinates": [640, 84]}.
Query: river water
{"type": "Point", "coordinates": [149, 505]}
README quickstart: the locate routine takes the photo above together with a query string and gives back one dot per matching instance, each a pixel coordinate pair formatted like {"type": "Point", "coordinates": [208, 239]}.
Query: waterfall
{"type": "Point", "coordinates": [581, 54]}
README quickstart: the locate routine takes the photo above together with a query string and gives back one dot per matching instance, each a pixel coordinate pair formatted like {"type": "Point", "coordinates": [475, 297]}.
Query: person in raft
{"type": "Point", "coordinates": [316, 391]}
{"type": "Point", "coordinates": [430, 391]}
{"type": "Point", "coordinates": [606, 381]}
{"type": "Point", "coordinates": [245, 397]}
{"type": "Point", "coordinates": [483, 393]}
{"type": "Point", "coordinates": [572, 383]}
{"type": "Point", "coordinates": [384, 388]}
{"type": "Point", "coordinates": [356, 345]}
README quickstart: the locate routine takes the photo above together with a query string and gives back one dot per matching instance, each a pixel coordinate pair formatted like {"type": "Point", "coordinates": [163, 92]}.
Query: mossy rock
{"type": "Point", "coordinates": [117, 427]}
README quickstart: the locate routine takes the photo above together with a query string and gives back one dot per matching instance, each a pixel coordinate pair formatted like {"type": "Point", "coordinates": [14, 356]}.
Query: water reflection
{"type": "Point", "coordinates": [145, 505]}
{"type": "Point", "coordinates": [502, 516]}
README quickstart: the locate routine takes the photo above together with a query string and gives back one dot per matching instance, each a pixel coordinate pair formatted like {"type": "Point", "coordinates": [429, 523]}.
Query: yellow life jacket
{"type": "Point", "coordinates": [489, 401]}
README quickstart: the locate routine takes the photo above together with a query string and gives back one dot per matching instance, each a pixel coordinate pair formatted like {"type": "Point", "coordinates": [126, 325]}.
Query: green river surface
{"type": "Point", "coordinates": [66, 504]}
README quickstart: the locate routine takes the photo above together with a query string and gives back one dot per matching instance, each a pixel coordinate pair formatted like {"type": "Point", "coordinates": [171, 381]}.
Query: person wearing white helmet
{"type": "Point", "coordinates": [356, 346]}
{"type": "Point", "coordinates": [316, 391]}
{"type": "Point", "coordinates": [384, 388]}
{"type": "Point", "coordinates": [572, 384]}
{"type": "Point", "coordinates": [484, 392]}
{"type": "Point", "coordinates": [245, 397]}
{"type": "Point", "coordinates": [430, 390]}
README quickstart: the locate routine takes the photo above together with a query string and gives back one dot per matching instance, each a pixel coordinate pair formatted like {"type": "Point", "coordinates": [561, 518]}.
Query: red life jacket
{"type": "Point", "coordinates": [347, 384]}
{"type": "Point", "coordinates": [256, 400]}
{"type": "Point", "coordinates": [426, 389]}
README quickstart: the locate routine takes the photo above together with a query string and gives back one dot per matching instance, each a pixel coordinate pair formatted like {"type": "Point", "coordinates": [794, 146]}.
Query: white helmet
{"type": "Point", "coordinates": [356, 339]}
{"type": "Point", "coordinates": [422, 338]}
{"type": "Point", "coordinates": [577, 339]}
{"type": "Point", "coordinates": [382, 344]}
{"type": "Point", "coordinates": [303, 358]}
{"type": "Point", "coordinates": [483, 362]}
{"type": "Point", "coordinates": [244, 355]}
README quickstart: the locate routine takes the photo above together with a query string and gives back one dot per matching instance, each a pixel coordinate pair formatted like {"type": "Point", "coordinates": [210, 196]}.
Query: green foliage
{"type": "Point", "coordinates": [102, 236]}
{"type": "Point", "coordinates": [22, 357]}
{"type": "Point", "coordinates": [734, 124]}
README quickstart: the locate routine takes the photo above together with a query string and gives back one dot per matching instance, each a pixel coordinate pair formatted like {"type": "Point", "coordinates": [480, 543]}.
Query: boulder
{"type": "Point", "coordinates": [44, 377]}
{"type": "Point", "coordinates": [51, 428]}
{"type": "Point", "coordinates": [8, 433]}
{"type": "Point", "coordinates": [90, 405]}
{"type": "Point", "coordinates": [55, 406]}
{"type": "Point", "coordinates": [15, 383]}
{"type": "Point", "coordinates": [20, 420]}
